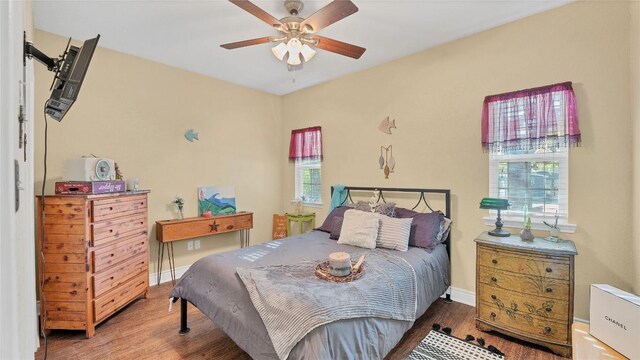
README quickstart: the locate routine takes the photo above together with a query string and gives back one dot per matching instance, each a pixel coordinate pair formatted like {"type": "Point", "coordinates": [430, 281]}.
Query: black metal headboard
{"type": "Point", "coordinates": [422, 198]}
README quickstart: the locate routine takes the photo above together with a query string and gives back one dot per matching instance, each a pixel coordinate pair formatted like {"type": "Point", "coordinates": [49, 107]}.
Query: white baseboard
{"type": "Point", "coordinates": [165, 276]}
{"type": "Point", "coordinates": [463, 296]}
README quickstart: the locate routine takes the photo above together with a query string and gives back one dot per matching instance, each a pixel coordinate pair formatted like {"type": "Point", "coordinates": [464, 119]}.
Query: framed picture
{"type": "Point", "coordinates": [216, 200]}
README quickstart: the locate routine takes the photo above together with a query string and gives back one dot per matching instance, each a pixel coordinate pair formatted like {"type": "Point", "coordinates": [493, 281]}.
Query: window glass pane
{"type": "Point", "coordinates": [530, 184]}
{"type": "Point", "coordinates": [309, 181]}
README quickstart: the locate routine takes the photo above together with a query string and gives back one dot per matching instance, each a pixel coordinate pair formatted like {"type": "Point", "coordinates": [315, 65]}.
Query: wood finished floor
{"type": "Point", "coordinates": [145, 330]}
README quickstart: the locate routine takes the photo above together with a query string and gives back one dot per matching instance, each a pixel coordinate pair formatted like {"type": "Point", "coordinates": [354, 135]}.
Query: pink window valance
{"type": "Point", "coordinates": [306, 144]}
{"type": "Point", "coordinates": [531, 119]}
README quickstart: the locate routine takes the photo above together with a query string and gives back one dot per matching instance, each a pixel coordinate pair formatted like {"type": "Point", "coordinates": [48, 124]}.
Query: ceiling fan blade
{"type": "Point", "coordinates": [239, 44]}
{"type": "Point", "coordinates": [254, 10]}
{"type": "Point", "coordinates": [335, 11]}
{"type": "Point", "coordinates": [339, 47]}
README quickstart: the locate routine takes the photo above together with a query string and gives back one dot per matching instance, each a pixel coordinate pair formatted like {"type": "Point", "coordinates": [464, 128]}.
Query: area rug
{"type": "Point", "coordinates": [442, 346]}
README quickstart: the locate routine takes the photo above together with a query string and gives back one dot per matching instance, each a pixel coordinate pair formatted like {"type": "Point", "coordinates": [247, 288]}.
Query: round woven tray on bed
{"type": "Point", "coordinates": [324, 273]}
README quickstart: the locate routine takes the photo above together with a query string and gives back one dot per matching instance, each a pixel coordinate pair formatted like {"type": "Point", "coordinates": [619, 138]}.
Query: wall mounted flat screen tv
{"type": "Point", "coordinates": [69, 78]}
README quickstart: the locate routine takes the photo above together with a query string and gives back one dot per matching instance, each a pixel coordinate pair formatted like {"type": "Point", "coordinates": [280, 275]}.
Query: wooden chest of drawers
{"type": "Point", "coordinates": [96, 257]}
{"type": "Point", "coordinates": [525, 289]}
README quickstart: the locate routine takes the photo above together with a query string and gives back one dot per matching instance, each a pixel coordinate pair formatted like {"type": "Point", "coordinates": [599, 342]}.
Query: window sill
{"type": "Point", "coordinates": [312, 205]}
{"type": "Point", "coordinates": [536, 224]}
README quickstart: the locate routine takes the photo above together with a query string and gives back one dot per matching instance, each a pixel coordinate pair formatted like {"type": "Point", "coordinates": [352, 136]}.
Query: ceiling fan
{"type": "Point", "coordinates": [297, 33]}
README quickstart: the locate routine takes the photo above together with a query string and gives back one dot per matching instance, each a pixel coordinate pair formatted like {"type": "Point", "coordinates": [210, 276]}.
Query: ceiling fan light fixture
{"type": "Point", "coordinates": [280, 50]}
{"type": "Point", "coordinates": [307, 52]}
{"type": "Point", "coordinates": [295, 47]}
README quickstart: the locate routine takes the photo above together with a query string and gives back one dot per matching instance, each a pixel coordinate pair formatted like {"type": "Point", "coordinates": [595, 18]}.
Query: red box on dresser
{"type": "Point", "coordinates": [89, 187]}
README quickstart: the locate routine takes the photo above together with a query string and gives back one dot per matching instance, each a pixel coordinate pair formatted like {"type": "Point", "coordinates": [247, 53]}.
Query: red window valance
{"type": "Point", "coordinates": [530, 119]}
{"type": "Point", "coordinates": [306, 144]}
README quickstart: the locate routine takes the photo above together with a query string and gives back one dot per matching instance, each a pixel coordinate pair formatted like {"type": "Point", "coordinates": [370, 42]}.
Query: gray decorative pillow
{"type": "Point", "coordinates": [384, 208]}
{"type": "Point", "coordinates": [362, 206]}
{"type": "Point", "coordinates": [336, 226]}
{"type": "Point", "coordinates": [335, 213]}
{"type": "Point", "coordinates": [425, 227]}
{"type": "Point", "coordinates": [388, 209]}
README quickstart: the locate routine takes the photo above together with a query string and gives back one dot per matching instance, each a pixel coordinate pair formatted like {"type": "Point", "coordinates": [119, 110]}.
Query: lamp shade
{"type": "Point", "coordinates": [307, 52]}
{"type": "Point", "coordinates": [280, 50]}
{"type": "Point", "coordinates": [494, 204]}
{"type": "Point", "coordinates": [295, 46]}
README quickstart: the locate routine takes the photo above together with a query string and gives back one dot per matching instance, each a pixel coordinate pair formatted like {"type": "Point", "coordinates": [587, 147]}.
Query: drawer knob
{"type": "Point", "coordinates": [494, 261]}
{"type": "Point", "coordinates": [548, 309]}
{"type": "Point", "coordinates": [493, 315]}
{"type": "Point", "coordinates": [493, 279]}
{"type": "Point", "coordinates": [549, 270]}
{"type": "Point", "coordinates": [549, 290]}
{"type": "Point", "coordinates": [229, 227]}
{"type": "Point", "coordinates": [547, 330]}
{"type": "Point", "coordinates": [493, 297]}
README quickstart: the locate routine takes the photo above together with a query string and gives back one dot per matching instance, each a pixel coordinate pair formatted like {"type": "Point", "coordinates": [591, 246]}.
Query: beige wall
{"type": "Point", "coordinates": [137, 111]}
{"type": "Point", "coordinates": [635, 103]}
{"type": "Point", "coordinates": [436, 97]}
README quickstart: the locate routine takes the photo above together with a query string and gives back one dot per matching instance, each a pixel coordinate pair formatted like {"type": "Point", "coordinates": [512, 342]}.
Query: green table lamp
{"type": "Point", "coordinates": [496, 204]}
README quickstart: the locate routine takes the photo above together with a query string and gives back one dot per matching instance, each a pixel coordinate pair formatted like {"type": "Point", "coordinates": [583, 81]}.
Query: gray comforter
{"type": "Point", "coordinates": [213, 285]}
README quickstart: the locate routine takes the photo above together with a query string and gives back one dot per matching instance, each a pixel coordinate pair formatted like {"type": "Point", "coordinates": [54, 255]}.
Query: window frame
{"type": "Point", "coordinates": [515, 217]}
{"type": "Point", "coordinates": [300, 166]}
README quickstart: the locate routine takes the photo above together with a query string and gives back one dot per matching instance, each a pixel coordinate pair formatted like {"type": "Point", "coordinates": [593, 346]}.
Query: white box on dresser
{"type": "Point", "coordinates": [615, 319]}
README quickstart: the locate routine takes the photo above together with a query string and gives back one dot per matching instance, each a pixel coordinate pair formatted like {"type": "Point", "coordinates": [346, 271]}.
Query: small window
{"type": "Point", "coordinates": [534, 181]}
{"type": "Point", "coordinates": [309, 181]}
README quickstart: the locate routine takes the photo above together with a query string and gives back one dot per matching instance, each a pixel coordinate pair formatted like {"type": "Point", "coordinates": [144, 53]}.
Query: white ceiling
{"type": "Point", "coordinates": [187, 34]}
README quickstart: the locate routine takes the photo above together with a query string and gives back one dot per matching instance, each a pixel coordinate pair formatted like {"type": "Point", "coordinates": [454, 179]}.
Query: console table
{"type": "Point", "coordinates": [168, 231]}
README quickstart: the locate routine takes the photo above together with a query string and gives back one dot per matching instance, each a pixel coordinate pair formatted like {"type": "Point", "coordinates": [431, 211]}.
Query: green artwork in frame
{"type": "Point", "coordinates": [216, 200]}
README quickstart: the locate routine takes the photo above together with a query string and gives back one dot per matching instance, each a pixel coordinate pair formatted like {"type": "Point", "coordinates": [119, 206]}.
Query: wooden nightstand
{"type": "Point", "coordinates": [525, 289]}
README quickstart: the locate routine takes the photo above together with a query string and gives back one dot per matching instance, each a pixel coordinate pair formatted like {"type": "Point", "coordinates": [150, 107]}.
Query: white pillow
{"type": "Point", "coordinates": [360, 229]}
{"type": "Point", "coordinates": [393, 233]}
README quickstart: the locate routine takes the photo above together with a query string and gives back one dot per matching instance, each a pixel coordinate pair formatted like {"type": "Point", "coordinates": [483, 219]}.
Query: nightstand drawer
{"type": "Point", "coordinates": [556, 267]}
{"type": "Point", "coordinates": [520, 322]}
{"type": "Point", "coordinates": [522, 283]}
{"type": "Point", "coordinates": [532, 305]}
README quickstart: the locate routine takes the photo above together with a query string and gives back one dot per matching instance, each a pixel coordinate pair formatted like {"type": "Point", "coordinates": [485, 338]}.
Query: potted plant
{"type": "Point", "coordinates": [526, 234]}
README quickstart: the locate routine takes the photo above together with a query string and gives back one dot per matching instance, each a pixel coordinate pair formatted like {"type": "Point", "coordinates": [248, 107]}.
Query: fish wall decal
{"type": "Point", "coordinates": [386, 125]}
{"type": "Point", "coordinates": [191, 135]}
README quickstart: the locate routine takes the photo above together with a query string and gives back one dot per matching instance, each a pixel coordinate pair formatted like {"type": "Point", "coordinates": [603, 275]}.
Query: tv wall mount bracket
{"type": "Point", "coordinates": [52, 64]}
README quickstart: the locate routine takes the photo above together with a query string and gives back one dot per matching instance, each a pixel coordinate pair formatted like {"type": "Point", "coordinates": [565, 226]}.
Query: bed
{"type": "Point", "coordinates": [217, 286]}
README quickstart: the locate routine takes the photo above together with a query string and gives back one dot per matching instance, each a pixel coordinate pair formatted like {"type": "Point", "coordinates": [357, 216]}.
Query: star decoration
{"type": "Point", "coordinates": [214, 226]}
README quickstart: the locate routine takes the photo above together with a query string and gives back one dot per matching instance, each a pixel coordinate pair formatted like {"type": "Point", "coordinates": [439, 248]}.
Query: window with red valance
{"type": "Point", "coordinates": [305, 150]}
{"type": "Point", "coordinates": [527, 134]}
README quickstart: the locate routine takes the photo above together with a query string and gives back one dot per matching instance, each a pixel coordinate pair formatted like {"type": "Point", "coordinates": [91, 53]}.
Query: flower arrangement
{"type": "Point", "coordinates": [179, 201]}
